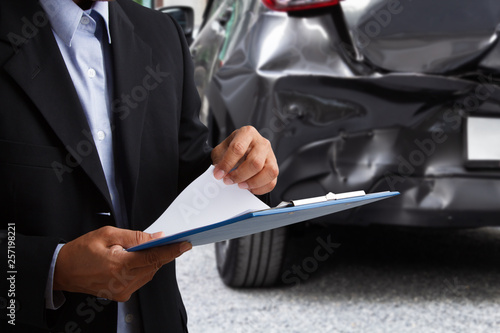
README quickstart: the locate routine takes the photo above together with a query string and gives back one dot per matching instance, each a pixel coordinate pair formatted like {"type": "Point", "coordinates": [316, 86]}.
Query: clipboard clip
{"type": "Point", "coordinates": [323, 198]}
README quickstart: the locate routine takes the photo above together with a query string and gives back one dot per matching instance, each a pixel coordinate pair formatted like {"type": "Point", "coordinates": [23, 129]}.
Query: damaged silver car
{"type": "Point", "coordinates": [359, 94]}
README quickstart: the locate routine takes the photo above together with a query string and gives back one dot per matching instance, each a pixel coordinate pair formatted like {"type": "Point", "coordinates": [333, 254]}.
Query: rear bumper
{"type": "Point", "coordinates": [438, 192]}
{"type": "Point", "coordinates": [436, 202]}
{"type": "Point", "coordinates": [429, 202]}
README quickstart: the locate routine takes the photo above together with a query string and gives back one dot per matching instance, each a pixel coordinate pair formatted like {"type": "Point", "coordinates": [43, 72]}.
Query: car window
{"type": "Point", "coordinates": [212, 7]}
{"type": "Point", "coordinates": [145, 3]}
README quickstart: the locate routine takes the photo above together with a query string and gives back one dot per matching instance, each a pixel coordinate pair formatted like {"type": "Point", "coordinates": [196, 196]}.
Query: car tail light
{"type": "Point", "coordinates": [289, 5]}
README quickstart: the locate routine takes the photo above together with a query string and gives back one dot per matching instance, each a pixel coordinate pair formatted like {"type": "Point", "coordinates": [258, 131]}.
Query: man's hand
{"type": "Point", "coordinates": [97, 264]}
{"type": "Point", "coordinates": [246, 149]}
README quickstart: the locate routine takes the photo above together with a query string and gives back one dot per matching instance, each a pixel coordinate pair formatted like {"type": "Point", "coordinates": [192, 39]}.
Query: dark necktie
{"type": "Point", "coordinates": [101, 34]}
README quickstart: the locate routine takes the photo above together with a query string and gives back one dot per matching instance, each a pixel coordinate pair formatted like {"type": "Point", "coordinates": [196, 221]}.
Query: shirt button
{"type": "Point", "coordinates": [85, 20]}
{"type": "Point", "coordinates": [101, 135]}
{"type": "Point", "coordinates": [129, 318]}
{"type": "Point", "coordinates": [91, 72]}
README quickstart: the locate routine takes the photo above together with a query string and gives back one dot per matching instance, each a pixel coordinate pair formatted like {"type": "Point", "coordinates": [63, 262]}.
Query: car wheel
{"type": "Point", "coordinates": [252, 261]}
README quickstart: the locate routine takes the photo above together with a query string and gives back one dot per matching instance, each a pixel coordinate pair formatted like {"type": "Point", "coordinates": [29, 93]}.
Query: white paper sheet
{"type": "Point", "coordinates": [205, 201]}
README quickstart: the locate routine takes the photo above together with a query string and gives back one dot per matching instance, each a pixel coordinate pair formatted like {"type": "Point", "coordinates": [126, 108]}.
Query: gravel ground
{"type": "Point", "coordinates": [377, 280]}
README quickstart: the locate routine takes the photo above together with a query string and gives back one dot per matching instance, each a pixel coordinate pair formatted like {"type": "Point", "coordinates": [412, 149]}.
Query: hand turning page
{"type": "Point", "coordinates": [205, 201]}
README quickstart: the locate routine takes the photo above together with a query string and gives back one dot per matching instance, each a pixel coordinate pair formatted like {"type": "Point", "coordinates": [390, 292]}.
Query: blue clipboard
{"type": "Point", "coordinates": [263, 220]}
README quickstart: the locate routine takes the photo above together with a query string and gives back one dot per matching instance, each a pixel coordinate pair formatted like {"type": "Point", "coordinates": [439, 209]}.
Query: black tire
{"type": "Point", "coordinates": [252, 261]}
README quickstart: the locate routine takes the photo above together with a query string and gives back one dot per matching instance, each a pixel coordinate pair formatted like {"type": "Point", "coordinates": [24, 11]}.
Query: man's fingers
{"type": "Point", "coordinates": [257, 168]}
{"type": "Point", "coordinates": [127, 238]}
{"type": "Point", "coordinates": [134, 280]}
{"type": "Point", "coordinates": [123, 284]}
{"type": "Point", "coordinates": [264, 181]}
{"type": "Point", "coordinates": [253, 170]}
{"type": "Point", "coordinates": [143, 265]}
{"type": "Point", "coordinates": [238, 145]}
{"type": "Point", "coordinates": [219, 151]}
{"type": "Point", "coordinates": [264, 189]}
{"type": "Point", "coordinates": [104, 266]}
{"type": "Point", "coordinates": [156, 257]}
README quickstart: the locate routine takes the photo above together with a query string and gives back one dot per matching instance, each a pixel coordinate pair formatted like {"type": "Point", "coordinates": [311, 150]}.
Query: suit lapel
{"type": "Point", "coordinates": [39, 69]}
{"type": "Point", "coordinates": [132, 58]}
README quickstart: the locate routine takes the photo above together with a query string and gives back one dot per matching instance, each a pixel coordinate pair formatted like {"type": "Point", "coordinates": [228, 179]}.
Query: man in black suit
{"type": "Point", "coordinates": [56, 192]}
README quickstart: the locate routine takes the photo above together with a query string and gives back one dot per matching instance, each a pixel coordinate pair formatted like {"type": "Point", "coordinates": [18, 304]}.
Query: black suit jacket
{"type": "Point", "coordinates": [52, 184]}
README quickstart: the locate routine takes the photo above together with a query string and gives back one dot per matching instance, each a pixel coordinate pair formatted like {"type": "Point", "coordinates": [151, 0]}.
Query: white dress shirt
{"type": "Point", "coordinates": [74, 31]}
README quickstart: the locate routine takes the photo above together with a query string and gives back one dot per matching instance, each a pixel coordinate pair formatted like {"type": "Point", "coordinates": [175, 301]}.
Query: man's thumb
{"type": "Point", "coordinates": [133, 238]}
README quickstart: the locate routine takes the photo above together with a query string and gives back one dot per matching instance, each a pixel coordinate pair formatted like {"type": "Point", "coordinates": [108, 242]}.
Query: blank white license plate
{"type": "Point", "coordinates": [483, 139]}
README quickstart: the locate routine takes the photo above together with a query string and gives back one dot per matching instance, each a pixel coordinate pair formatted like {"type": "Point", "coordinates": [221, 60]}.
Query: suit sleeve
{"type": "Point", "coordinates": [194, 151]}
{"type": "Point", "coordinates": [26, 279]}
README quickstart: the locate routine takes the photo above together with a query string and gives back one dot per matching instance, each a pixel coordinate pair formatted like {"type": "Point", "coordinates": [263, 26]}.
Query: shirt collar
{"type": "Point", "coordinates": [65, 16]}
